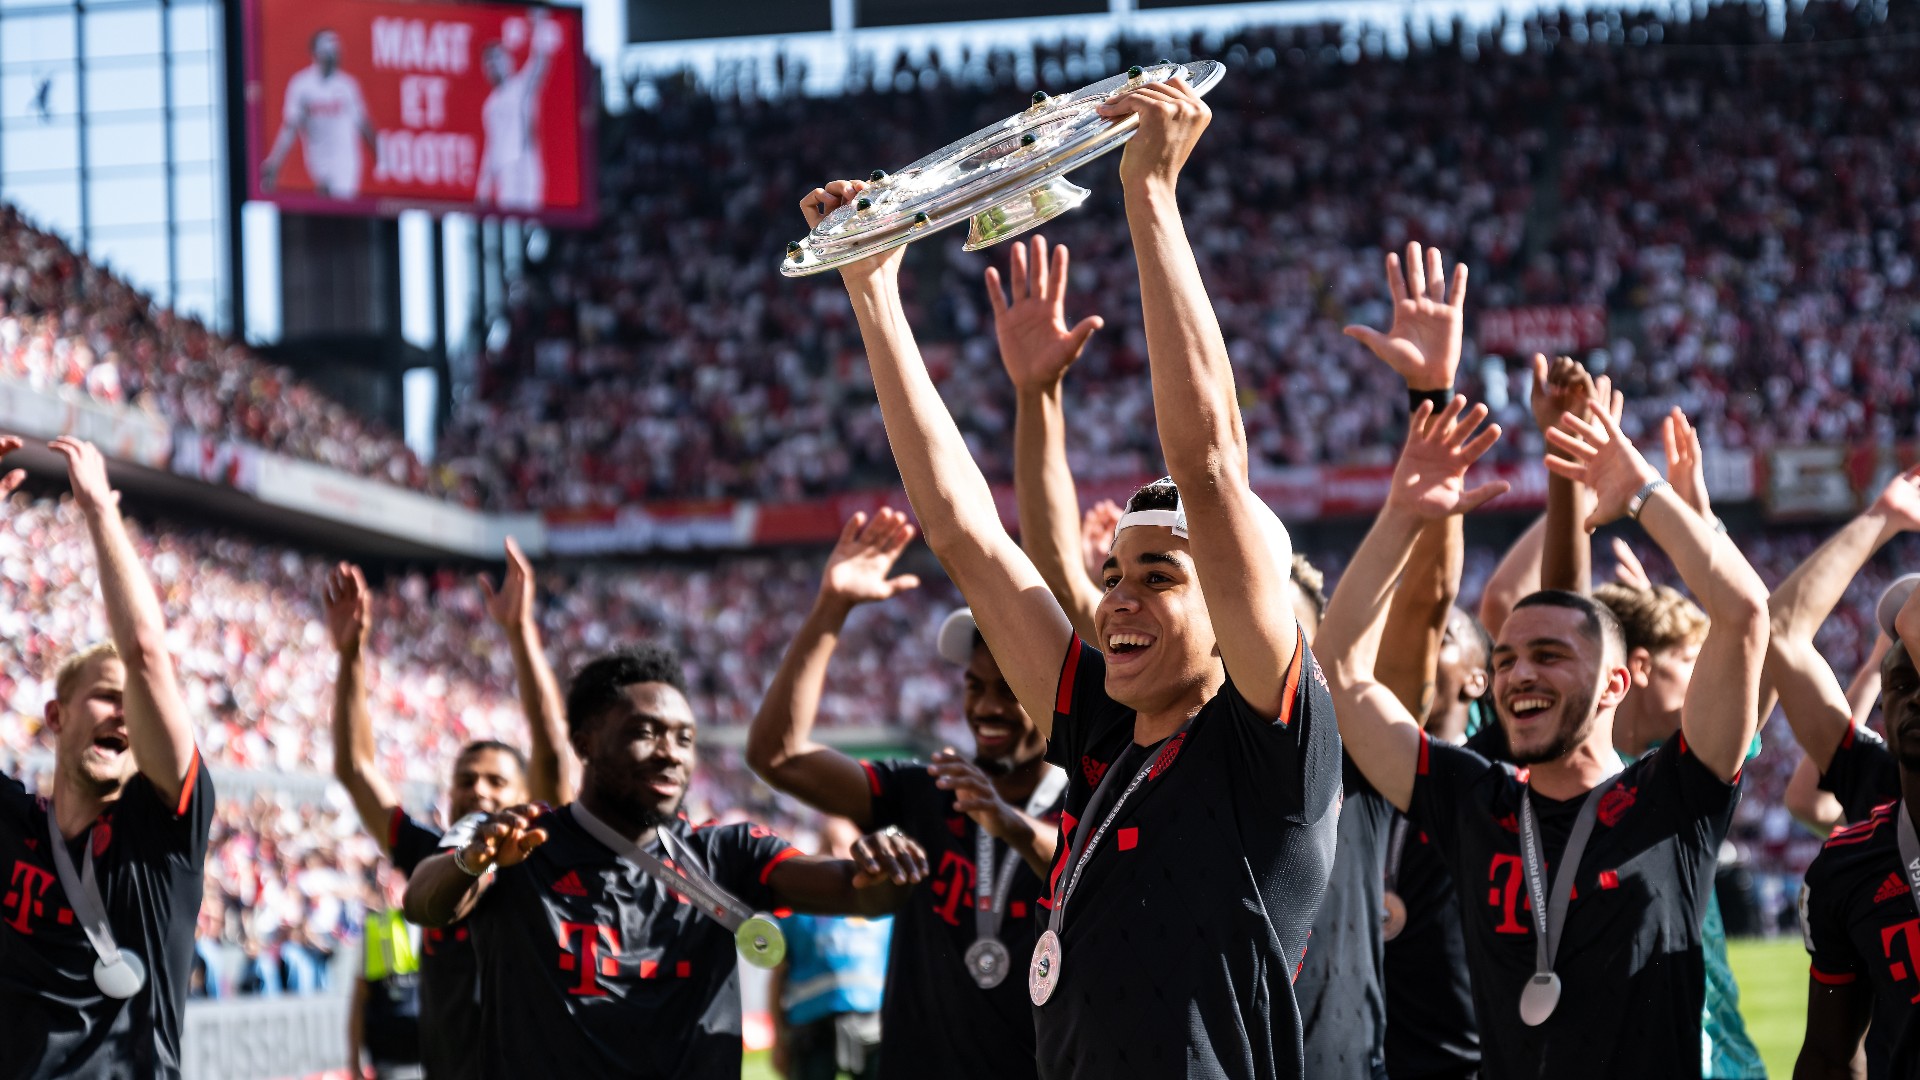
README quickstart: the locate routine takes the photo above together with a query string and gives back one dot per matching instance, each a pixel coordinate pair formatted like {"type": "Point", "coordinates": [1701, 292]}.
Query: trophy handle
{"type": "Point", "coordinates": [1028, 210]}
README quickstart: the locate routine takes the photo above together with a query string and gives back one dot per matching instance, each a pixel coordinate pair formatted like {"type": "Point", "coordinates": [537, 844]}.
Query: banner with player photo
{"type": "Point", "coordinates": [375, 106]}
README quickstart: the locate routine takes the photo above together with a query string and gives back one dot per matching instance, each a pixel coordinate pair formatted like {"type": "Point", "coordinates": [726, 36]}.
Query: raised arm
{"type": "Point", "coordinates": [877, 879]}
{"type": "Point", "coordinates": [1037, 347]}
{"type": "Point", "coordinates": [349, 610]}
{"type": "Point", "coordinates": [553, 769]}
{"type": "Point", "coordinates": [1195, 406]}
{"type": "Point", "coordinates": [444, 888]}
{"type": "Point", "coordinates": [1429, 483]}
{"type": "Point", "coordinates": [1423, 348]}
{"type": "Point", "coordinates": [1566, 551]}
{"type": "Point", "coordinates": [1516, 576]}
{"type": "Point", "coordinates": [1817, 708]}
{"type": "Point", "coordinates": [1722, 703]}
{"type": "Point", "coordinates": [157, 726]}
{"type": "Point", "coordinates": [1017, 614]}
{"type": "Point", "coordinates": [780, 747]}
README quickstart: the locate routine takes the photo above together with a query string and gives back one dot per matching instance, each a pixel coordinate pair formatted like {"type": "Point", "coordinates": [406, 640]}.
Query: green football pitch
{"type": "Point", "coordinates": [1773, 998]}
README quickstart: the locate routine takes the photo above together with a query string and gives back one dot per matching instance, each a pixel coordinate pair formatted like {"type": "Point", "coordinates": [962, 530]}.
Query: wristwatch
{"type": "Point", "coordinates": [1639, 500]}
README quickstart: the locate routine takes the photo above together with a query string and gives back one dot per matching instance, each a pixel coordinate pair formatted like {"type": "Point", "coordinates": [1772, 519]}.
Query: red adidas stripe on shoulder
{"type": "Point", "coordinates": [1069, 669]}
{"type": "Point", "coordinates": [1860, 831]}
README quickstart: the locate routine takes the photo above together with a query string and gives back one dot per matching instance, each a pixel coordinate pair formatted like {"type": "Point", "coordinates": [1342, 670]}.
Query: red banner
{"type": "Point", "coordinates": [1550, 330]}
{"type": "Point", "coordinates": [372, 106]}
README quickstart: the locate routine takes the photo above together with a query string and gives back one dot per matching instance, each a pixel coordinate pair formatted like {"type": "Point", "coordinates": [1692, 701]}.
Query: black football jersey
{"type": "Point", "coordinates": [449, 974]}
{"type": "Point", "coordinates": [1630, 959]}
{"type": "Point", "coordinates": [1184, 935]}
{"type": "Point", "coordinates": [936, 1022]}
{"type": "Point", "coordinates": [1862, 774]}
{"type": "Point", "coordinates": [592, 968]}
{"type": "Point", "coordinates": [148, 857]}
{"type": "Point", "coordinates": [1343, 1008]}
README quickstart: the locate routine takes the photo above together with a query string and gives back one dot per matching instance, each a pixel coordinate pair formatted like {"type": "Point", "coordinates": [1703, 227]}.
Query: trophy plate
{"type": "Point", "coordinates": [1002, 180]}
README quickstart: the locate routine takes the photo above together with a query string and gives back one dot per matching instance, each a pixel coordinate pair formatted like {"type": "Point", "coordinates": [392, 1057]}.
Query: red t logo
{"type": "Point", "coordinates": [1902, 969]}
{"type": "Point", "coordinates": [28, 885]}
{"type": "Point", "coordinates": [598, 955]}
{"type": "Point", "coordinates": [956, 878]}
{"type": "Point", "coordinates": [1507, 897]}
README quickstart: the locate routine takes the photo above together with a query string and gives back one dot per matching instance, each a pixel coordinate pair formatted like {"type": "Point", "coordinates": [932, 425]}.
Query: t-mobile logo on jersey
{"type": "Point", "coordinates": [598, 955]}
{"type": "Point", "coordinates": [1508, 895]}
{"type": "Point", "coordinates": [24, 891]}
{"type": "Point", "coordinates": [1902, 970]}
{"type": "Point", "coordinates": [953, 886]}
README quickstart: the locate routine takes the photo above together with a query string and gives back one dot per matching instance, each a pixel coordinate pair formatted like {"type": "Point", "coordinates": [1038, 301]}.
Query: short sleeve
{"type": "Point", "coordinates": [1862, 774]}
{"type": "Point", "coordinates": [1292, 760]}
{"type": "Point", "coordinates": [409, 842]}
{"type": "Point", "coordinates": [742, 858]}
{"type": "Point", "coordinates": [1702, 792]}
{"type": "Point", "coordinates": [887, 782]}
{"type": "Point", "coordinates": [1442, 780]}
{"type": "Point", "coordinates": [1082, 711]}
{"type": "Point", "coordinates": [1823, 929]}
{"type": "Point", "coordinates": [183, 825]}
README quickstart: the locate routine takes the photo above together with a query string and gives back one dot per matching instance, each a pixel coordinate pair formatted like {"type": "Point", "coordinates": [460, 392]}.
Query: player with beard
{"type": "Point", "coordinates": [487, 776]}
{"type": "Point", "coordinates": [937, 1019]}
{"type": "Point", "coordinates": [589, 964]}
{"type": "Point", "coordinates": [1859, 912]}
{"type": "Point", "coordinates": [104, 873]}
{"type": "Point", "coordinates": [1630, 907]}
{"type": "Point", "coordinates": [1202, 760]}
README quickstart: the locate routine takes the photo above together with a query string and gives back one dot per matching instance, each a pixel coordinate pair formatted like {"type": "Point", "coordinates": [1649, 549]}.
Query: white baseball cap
{"type": "Point", "coordinates": [1279, 541]}
{"type": "Point", "coordinates": [955, 639]}
{"type": "Point", "coordinates": [1892, 601]}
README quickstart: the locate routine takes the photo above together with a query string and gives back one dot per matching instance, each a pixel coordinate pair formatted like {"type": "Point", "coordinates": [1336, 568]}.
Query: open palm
{"type": "Point", "coordinates": [349, 606]}
{"type": "Point", "coordinates": [1431, 477]}
{"type": "Point", "coordinates": [1423, 344]}
{"type": "Point", "coordinates": [1036, 344]}
{"type": "Point", "coordinates": [858, 568]}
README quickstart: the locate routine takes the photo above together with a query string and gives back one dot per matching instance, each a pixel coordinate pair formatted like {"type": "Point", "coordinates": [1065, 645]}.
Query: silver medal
{"type": "Point", "coordinates": [1395, 917]}
{"type": "Point", "coordinates": [1044, 973]}
{"type": "Point", "coordinates": [1538, 998]}
{"type": "Point", "coordinates": [987, 961]}
{"type": "Point", "coordinates": [761, 942]}
{"type": "Point", "coordinates": [122, 978]}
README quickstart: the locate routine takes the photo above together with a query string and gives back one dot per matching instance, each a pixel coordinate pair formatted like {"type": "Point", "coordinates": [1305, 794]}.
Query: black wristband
{"type": "Point", "coordinates": [1440, 399]}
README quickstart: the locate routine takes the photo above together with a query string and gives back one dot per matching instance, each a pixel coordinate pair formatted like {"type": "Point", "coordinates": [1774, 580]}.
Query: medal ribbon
{"type": "Point", "coordinates": [1909, 850]}
{"type": "Point", "coordinates": [1058, 915]}
{"type": "Point", "coordinates": [1550, 916]}
{"type": "Point", "coordinates": [83, 892]}
{"type": "Point", "coordinates": [991, 886]}
{"type": "Point", "coordinates": [693, 881]}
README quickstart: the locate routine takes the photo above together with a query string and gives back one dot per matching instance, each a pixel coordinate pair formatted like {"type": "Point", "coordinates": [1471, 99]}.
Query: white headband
{"type": "Point", "coordinates": [1278, 540]}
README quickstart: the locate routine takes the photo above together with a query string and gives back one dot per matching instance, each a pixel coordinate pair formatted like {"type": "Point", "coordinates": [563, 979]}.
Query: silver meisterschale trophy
{"type": "Point", "coordinates": [1004, 179]}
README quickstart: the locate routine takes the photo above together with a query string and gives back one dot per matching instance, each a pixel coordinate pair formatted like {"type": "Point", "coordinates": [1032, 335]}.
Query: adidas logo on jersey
{"type": "Point", "coordinates": [570, 885]}
{"type": "Point", "coordinates": [1890, 889]}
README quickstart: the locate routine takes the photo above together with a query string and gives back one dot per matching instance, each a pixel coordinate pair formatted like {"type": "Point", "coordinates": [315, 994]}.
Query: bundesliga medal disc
{"type": "Point", "coordinates": [1538, 998]}
{"type": "Point", "coordinates": [1044, 973]}
{"type": "Point", "coordinates": [1396, 916]}
{"type": "Point", "coordinates": [761, 942]}
{"type": "Point", "coordinates": [121, 979]}
{"type": "Point", "coordinates": [988, 961]}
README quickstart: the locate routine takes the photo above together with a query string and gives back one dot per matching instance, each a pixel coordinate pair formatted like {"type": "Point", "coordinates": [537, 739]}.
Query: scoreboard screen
{"type": "Point", "coordinates": [377, 106]}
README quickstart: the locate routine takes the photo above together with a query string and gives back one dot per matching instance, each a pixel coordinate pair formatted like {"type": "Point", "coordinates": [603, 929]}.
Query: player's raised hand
{"type": "Point", "coordinates": [868, 547]}
{"type": "Point", "coordinates": [1423, 344]}
{"type": "Point", "coordinates": [1627, 569]}
{"type": "Point", "coordinates": [833, 195]}
{"type": "Point", "coordinates": [1686, 465]}
{"type": "Point", "coordinates": [1560, 387]}
{"type": "Point", "coordinates": [1899, 502]}
{"type": "Point", "coordinates": [1595, 452]}
{"type": "Point", "coordinates": [349, 608]}
{"type": "Point", "coordinates": [14, 478]}
{"type": "Point", "coordinates": [512, 605]}
{"type": "Point", "coordinates": [504, 839]}
{"type": "Point", "coordinates": [1172, 119]}
{"type": "Point", "coordinates": [87, 472]}
{"type": "Point", "coordinates": [1096, 534]}
{"type": "Point", "coordinates": [1431, 478]}
{"type": "Point", "coordinates": [887, 857]}
{"type": "Point", "coordinates": [1036, 344]}
{"type": "Point", "coordinates": [974, 794]}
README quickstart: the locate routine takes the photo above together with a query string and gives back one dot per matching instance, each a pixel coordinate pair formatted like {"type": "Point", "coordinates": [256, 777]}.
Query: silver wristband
{"type": "Point", "coordinates": [1639, 501]}
{"type": "Point", "coordinates": [460, 860]}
